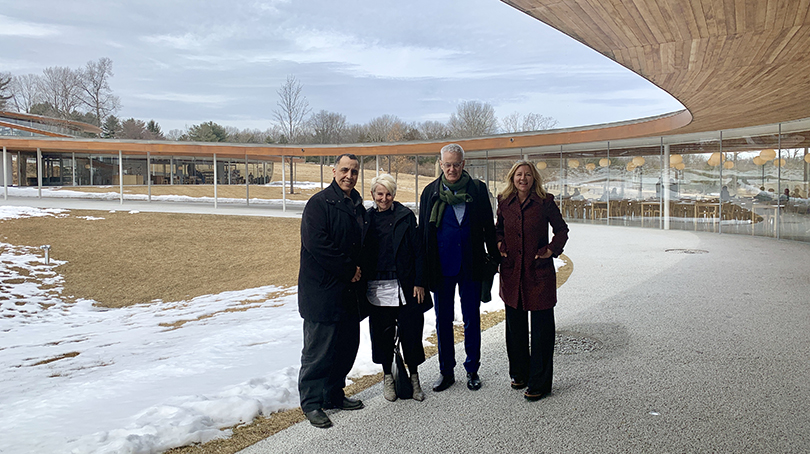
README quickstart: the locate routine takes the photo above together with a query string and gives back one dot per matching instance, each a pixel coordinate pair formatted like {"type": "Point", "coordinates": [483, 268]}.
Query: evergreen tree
{"type": "Point", "coordinates": [111, 128]}
{"type": "Point", "coordinates": [207, 132]}
{"type": "Point", "coordinates": [154, 128]}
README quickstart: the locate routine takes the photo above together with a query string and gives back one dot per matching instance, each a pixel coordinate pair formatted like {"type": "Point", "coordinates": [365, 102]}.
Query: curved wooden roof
{"type": "Point", "coordinates": [732, 63]}
{"type": "Point", "coordinates": [76, 126]}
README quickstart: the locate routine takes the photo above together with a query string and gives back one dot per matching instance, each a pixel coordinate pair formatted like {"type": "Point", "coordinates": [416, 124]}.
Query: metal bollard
{"type": "Point", "coordinates": [46, 248]}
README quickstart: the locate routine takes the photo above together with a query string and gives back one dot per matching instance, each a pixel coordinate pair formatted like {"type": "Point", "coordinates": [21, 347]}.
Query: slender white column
{"type": "Point", "coordinates": [416, 181]}
{"type": "Point", "coordinates": [149, 176]}
{"type": "Point", "coordinates": [247, 182]}
{"type": "Point", "coordinates": [5, 174]}
{"type": "Point", "coordinates": [39, 173]}
{"type": "Point", "coordinates": [283, 186]}
{"type": "Point", "coordinates": [121, 176]}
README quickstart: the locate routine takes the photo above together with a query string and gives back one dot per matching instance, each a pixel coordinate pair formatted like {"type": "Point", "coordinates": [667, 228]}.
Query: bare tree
{"type": "Point", "coordinates": [473, 119]}
{"type": "Point", "coordinates": [247, 135]}
{"type": "Point", "coordinates": [387, 128]}
{"type": "Point", "coordinates": [328, 127]}
{"type": "Point", "coordinates": [292, 109]}
{"type": "Point", "coordinates": [61, 90]}
{"type": "Point", "coordinates": [356, 134]}
{"type": "Point", "coordinates": [531, 122]}
{"type": "Point", "coordinates": [433, 130]}
{"type": "Point", "coordinates": [25, 91]}
{"type": "Point", "coordinates": [5, 89]}
{"type": "Point", "coordinates": [175, 134]}
{"type": "Point", "coordinates": [96, 94]}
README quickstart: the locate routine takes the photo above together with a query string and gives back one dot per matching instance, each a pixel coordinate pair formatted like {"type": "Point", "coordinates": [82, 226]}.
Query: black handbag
{"type": "Point", "coordinates": [490, 268]}
{"type": "Point", "coordinates": [402, 381]}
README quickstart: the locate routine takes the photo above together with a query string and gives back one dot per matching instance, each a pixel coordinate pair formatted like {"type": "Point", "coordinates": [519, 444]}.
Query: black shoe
{"type": "Point", "coordinates": [473, 381]}
{"type": "Point", "coordinates": [318, 418]}
{"type": "Point", "coordinates": [533, 396]}
{"type": "Point", "coordinates": [444, 382]}
{"type": "Point", "coordinates": [518, 384]}
{"type": "Point", "coordinates": [347, 404]}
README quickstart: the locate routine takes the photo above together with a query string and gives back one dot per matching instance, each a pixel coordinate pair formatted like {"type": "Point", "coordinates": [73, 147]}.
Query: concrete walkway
{"type": "Point", "coordinates": [705, 352]}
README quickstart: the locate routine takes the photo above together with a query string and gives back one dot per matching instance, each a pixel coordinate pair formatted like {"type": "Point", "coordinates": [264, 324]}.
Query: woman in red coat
{"type": "Point", "coordinates": [528, 278]}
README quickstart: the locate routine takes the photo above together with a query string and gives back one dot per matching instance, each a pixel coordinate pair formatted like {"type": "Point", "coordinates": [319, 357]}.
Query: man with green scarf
{"type": "Point", "coordinates": [456, 221]}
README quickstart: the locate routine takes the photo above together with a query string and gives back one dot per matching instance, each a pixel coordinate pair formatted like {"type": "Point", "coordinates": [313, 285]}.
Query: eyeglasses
{"type": "Point", "coordinates": [454, 165]}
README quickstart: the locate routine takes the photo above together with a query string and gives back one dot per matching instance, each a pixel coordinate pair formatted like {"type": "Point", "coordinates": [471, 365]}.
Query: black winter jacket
{"type": "Point", "coordinates": [331, 243]}
{"type": "Point", "coordinates": [408, 252]}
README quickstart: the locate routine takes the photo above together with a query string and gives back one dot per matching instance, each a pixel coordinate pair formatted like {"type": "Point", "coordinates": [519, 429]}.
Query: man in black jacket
{"type": "Point", "coordinates": [332, 229]}
{"type": "Point", "coordinates": [456, 221]}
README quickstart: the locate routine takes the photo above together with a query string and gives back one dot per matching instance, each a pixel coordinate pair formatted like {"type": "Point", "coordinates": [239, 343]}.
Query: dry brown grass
{"type": "Point", "coordinates": [127, 259]}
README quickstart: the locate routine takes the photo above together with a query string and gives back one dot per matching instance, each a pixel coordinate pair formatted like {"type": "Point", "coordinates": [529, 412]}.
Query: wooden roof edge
{"type": "Point", "coordinates": [6, 124]}
{"type": "Point", "coordinates": [84, 127]}
{"type": "Point", "coordinates": [660, 124]}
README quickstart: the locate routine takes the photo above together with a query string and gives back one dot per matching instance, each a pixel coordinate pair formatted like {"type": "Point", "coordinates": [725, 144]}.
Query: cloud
{"type": "Point", "coordinates": [270, 6]}
{"type": "Point", "coordinates": [186, 98]}
{"type": "Point", "coordinates": [13, 27]}
{"type": "Point", "coordinates": [369, 58]}
{"type": "Point", "coordinates": [185, 41]}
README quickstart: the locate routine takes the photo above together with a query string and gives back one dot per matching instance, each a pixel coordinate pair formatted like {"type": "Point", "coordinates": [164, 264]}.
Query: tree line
{"type": "Point", "coordinates": [84, 94]}
{"type": "Point", "coordinates": [81, 94]}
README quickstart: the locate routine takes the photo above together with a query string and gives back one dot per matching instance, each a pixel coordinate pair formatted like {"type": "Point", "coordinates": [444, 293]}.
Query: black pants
{"type": "Point", "coordinates": [328, 355]}
{"type": "Point", "coordinates": [382, 322]}
{"type": "Point", "coordinates": [533, 367]}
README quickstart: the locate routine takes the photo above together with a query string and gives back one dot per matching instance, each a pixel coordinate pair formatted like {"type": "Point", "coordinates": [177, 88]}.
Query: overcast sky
{"type": "Point", "coordinates": [183, 62]}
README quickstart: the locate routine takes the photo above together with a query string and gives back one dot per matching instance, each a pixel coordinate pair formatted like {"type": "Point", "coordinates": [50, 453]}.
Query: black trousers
{"type": "Point", "coordinates": [382, 322]}
{"type": "Point", "coordinates": [328, 355]}
{"type": "Point", "coordinates": [532, 366]}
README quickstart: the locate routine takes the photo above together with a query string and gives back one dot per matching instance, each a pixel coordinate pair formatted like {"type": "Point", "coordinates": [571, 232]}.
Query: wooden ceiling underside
{"type": "Point", "coordinates": [732, 63]}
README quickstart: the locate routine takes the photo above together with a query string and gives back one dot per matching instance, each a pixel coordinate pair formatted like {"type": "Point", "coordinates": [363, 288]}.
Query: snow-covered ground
{"type": "Point", "coordinates": [114, 194]}
{"type": "Point", "coordinates": [142, 379]}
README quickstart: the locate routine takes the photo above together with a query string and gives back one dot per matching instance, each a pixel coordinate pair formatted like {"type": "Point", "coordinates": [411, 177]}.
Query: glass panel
{"type": "Point", "coordinates": [134, 168]}
{"type": "Point", "coordinates": [749, 184]}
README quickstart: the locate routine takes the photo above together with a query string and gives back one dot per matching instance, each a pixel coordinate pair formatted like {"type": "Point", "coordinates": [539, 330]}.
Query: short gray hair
{"type": "Point", "coordinates": [387, 181]}
{"type": "Point", "coordinates": [452, 148]}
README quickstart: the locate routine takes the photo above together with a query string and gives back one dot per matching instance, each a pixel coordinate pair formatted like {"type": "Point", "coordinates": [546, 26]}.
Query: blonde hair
{"type": "Point", "coordinates": [387, 181]}
{"type": "Point", "coordinates": [510, 180]}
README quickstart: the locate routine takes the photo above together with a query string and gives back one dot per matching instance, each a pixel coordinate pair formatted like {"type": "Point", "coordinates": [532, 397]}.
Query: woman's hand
{"type": "Point", "coordinates": [357, 275]}
{"type": "Point", "coordinates": [419, 294]}
{"type": "Point", "coordinates": [503, 254]}
{"type": "Point", "coordinates": [545, 255]}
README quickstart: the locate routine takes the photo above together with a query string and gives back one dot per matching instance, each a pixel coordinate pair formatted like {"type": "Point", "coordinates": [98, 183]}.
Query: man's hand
{"type": "Point", "coordinates": [356, 275]}
{"type": "Point", "coordinates": [419, 294]}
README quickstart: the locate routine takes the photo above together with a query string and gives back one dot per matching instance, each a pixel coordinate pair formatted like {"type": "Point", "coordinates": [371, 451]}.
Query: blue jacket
{"type": "Point", "coordinates": [482, 230]}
